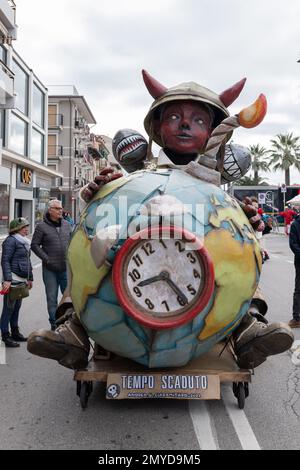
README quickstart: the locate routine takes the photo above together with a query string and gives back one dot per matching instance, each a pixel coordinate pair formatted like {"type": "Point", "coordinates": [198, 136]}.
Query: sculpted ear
{"type": "Point", "coordinates": [231, 94]}
{"type": "Point", "coordinates": [155, 88]}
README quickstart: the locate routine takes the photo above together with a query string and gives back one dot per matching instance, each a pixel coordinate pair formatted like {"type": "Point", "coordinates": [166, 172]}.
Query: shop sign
{"type": "Point", "coordinates": [24, 178]}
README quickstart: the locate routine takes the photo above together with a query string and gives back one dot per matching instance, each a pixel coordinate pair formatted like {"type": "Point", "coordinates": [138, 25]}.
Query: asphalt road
{"type": "Point", "coordinates": [39, 408]}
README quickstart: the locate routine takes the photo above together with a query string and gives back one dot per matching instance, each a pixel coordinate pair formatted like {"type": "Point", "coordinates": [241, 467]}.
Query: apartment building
{"type": "Point", "coordinates": [69, 121]}
{"type": "Point", "coordinates": [25, 179]}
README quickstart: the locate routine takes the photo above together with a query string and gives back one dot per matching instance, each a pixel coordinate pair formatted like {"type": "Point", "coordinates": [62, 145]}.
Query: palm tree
{"type": "Point", "coordinates": [248, 181]}
{"type": "Point", "coordinates": [285, 153]}
{"type": "Point", "coordinates": [258, 163]}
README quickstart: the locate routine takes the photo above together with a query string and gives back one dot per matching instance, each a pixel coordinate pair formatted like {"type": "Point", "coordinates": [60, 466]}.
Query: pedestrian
{"type": "Point", "coordinates": [288, 215]}
{"type": "Point", "coordinates": [267, 229]}
{"type": "Point", "coordinates": [17, 273]}
{"type": "Point", "coordinates": [259, 233]}
{"type": "Point", "coordinates": [295, 247]}
{"type": "Point", "coordinates": [50, 242]}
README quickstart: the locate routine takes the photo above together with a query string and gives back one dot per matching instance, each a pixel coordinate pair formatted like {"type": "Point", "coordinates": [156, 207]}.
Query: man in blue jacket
{"type": "Point", "coordinates": [295, 247]}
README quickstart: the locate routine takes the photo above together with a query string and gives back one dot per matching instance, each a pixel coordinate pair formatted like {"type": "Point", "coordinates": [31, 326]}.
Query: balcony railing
{"type": "Point", "coordinates": [55, 151]}
{"type": "Point", "coordinates": [7, 99]}
{"type": "Point", "coordinates": [55, 120]}
{"type": "Point", "coordinates": [8, 27]}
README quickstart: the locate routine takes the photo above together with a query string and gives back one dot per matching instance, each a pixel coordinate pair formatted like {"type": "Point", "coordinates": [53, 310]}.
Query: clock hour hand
{"type": "Point", "coordinates": [146, 282]}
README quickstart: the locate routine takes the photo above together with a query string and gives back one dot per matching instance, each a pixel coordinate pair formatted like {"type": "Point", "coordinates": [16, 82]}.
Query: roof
{"type": "Point", "coordinates": [81, 104]}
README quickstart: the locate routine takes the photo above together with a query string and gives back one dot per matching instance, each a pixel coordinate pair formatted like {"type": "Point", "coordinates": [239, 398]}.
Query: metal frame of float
{"type": "Point", "coordinates": [220, 361]}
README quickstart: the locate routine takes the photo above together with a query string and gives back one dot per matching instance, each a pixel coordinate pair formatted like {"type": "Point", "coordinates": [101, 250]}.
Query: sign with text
{"type": "Point", "coordinates": [24, 178]}
{"type": "Point", "coordinates": [181, 387]}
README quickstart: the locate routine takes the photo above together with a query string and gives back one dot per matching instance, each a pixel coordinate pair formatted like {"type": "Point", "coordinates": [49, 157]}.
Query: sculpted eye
{"type": "Point", "coordinates": [173, 117]}
{"type": "Point", "coordinates": [200, 121]}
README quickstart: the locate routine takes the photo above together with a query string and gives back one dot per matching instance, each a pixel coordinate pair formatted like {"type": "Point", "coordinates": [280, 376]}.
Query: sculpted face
{"type": "Point", "coordinates": [185, 127]}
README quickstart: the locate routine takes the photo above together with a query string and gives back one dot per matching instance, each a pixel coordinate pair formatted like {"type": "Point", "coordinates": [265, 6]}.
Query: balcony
{"type": "Point", "coordinates": [55, 121]}
{"type": "Point", "coordinates": [7, 98]}
{"type": "Point", "coordinates": [78, 154]}
{"type": "Point", "coordinates": [81, 127]}
{"type": "Point", "coordinates": [55, 152]}
{"type": "Point", "coordinates": [8, 26]}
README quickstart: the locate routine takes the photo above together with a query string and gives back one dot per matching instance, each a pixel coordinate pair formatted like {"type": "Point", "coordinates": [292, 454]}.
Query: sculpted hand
{"type": "Point", "coordinates": [29, 283]}
{"type": "Point", "coordinates": [251, 213]}
{"type": "Point", "coordinates": [104, 177]}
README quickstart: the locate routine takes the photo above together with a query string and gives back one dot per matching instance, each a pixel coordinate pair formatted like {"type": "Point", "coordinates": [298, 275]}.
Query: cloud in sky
{"type": "Point", "coordinates": [101, 47]}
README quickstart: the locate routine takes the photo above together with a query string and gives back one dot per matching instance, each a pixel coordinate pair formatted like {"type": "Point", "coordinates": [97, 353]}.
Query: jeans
{"type": "Point", "coordinates": [296, 299]}
{"type": "Point", "coordinates": [53, 280]}
{"type": "Point", "coordinates": [10, 314]}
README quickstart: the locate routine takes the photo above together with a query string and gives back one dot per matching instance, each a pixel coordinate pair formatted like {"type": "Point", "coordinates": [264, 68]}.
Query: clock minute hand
{"type": "Point", "coordinates": [146, 282]}
{"type": "Point", "coordinates": [177, 290]}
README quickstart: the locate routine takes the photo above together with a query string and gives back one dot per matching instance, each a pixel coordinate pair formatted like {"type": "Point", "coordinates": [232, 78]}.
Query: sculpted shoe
{"type": "Point", "coordinates": [17, 336]}
{"type": "Point", "coordinates": [68, 344]}
{"type": "Point", "coordinates": [255, 341]}
{"type": "Point", "coordinates": [294, 323]}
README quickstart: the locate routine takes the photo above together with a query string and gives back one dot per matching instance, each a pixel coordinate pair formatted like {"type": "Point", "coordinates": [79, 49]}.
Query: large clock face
{"type": "Point", "coordinates": [162, 280]}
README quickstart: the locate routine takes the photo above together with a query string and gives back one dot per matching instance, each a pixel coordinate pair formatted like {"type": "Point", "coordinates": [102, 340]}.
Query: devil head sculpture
{"type": "Point", "coordinates": [188, 91]}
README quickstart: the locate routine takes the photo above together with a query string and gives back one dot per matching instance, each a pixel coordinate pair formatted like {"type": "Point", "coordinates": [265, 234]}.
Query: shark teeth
{"type": "Point", "coordinates": [128, 144]}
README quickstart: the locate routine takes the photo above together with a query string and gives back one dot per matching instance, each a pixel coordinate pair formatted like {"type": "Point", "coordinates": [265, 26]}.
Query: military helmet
{"type": "Point", "coordinates": [18, 223]}
{"type": "Point", "coordinates": [188, 91]}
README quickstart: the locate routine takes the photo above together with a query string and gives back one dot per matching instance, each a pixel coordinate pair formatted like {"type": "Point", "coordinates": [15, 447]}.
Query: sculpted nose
{"type": "Point", "coordinates": [184, 124]}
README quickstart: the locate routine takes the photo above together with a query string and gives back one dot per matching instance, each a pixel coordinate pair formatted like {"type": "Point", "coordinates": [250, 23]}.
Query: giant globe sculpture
{"type": "Point", "coordinates": [120, 208]}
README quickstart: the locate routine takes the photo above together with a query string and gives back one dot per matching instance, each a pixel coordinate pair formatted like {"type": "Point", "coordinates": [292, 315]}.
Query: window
{"type": "Point", "coordinates": [38, 106]}
{"type": "Point", "coordinates": [21, 88]}
{"type": "Point", "coordinates": [4, 208]}
{"type": "Point", "coordinates": [18, 135]}
{"type": "Point", "coordinates": [52, 145]}
{"type": "Point", "coordinates": [37, 146]}
{"type": "Point", "coordinates": [3, 54]}
{"type": "Point", "coordinates": [2, 126]}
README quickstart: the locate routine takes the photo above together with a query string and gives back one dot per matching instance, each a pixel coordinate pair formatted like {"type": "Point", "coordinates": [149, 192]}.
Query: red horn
{"type": "Point", "coordinates": [155, 88]}
{"type": "Point", "coordinates": [230, 95]}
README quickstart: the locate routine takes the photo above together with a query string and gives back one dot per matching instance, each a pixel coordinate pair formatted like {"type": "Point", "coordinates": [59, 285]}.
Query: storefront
{"type": "Point", "coordinates": [4, 199]}
{"type": "Point", "coordinates": [41, 198]}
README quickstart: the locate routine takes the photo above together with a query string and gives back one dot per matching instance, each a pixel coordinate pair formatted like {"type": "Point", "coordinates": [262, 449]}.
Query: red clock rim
{"type": "Point", "coordinates": [140, 317]}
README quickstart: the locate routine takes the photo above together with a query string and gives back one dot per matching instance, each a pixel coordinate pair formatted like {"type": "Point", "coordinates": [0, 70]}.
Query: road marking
{"type": "Point", "coordinates": [2, 353]}
{"type": "Point", "coordinates": [281, 257]}
{"type": "Point", "coordinates": [239, 420]}
{"type": "Point", "coordinates": [202, 425]}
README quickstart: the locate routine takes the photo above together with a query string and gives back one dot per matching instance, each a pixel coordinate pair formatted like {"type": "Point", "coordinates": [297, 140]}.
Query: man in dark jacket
{"type": "Point", "coordinates": [50, 242]}
{"type": "Point", "coordinates": [295, 247]}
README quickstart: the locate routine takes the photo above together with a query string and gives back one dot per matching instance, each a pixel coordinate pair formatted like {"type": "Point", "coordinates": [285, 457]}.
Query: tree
{"type": "Point", "coordinates": [248, 181]}
{"type": "Point", "coordinates": [258, 162]}
{"type": "Point", "coordinates": [285, 153]}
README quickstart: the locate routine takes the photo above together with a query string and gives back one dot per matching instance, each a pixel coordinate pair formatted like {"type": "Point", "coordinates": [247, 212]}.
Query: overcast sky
{"type": "Point", "coordinates": [101, 47]}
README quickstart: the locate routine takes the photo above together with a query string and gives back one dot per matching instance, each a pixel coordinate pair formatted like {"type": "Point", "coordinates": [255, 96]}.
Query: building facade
{"type": "Point", "coordinates": [271, 199]}
{"type": "Point", "coordinates": [25, 179]}
{"type": "Point", "coordinates": [69, 121]}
